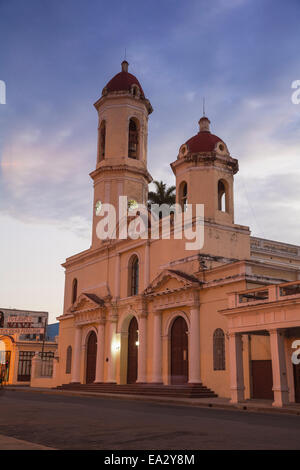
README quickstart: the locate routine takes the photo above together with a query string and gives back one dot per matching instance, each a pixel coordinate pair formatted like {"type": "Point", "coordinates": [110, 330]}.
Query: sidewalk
{"type": "Point", "coordinates": [264, 406]}
{"type": "Point", "coordinates": [10, 443]}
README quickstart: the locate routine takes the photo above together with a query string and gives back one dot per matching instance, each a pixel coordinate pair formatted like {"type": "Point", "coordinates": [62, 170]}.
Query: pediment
{"type": "Point", "coordinates": [171, 280]}
{"type": "Point", "coordinates": [85, 302]}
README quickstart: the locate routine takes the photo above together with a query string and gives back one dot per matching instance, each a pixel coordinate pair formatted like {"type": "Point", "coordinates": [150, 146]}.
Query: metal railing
{"type": "Point", "coordinates": [47, 364]}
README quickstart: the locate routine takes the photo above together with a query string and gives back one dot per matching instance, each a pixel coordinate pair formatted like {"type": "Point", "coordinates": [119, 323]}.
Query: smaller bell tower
{"type": "Point", "coordinates": [204, 173]}
{"type": "Point", "coordinates": [121, 167]}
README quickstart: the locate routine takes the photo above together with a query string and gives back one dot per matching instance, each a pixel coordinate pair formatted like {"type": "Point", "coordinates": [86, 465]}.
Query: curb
{"type": "Point", "coordinates": [242, 407]}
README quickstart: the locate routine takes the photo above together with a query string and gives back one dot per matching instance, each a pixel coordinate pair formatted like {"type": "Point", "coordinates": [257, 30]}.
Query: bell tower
{"type": "Point", "coordinates": [121, 167]}
{"type": "Point", "coordinates": [204, 173]}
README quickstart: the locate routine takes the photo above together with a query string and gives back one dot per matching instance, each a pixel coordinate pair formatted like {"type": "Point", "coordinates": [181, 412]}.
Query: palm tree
{"type": "Point", "coordinates": [162, 195]}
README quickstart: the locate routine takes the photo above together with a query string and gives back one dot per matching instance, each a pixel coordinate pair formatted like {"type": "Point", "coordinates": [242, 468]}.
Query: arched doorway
{"type": "Point", "coordinates": [91, 354]}
{"type": "Point", "coordinates": [5, 358]}
{"type": "Point", "coordinates": [179, 351]}
{"type": "Point", "coordinates": [132, 361]}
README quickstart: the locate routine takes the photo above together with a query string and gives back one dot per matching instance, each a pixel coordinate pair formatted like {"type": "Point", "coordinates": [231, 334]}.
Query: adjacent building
{"type": "Point", "coordinates": [17, 350]}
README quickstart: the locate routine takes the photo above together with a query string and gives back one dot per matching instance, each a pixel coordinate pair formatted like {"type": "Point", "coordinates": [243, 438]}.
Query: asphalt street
{"type": "Point", "coordinates": [69, 422]}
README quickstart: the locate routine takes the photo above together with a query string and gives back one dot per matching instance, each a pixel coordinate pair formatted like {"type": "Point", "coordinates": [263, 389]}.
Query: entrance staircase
{"type": "Point", "coordinates": [158, 390]}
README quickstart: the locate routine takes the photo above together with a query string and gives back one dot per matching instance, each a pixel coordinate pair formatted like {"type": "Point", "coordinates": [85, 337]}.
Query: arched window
{"type": "Point", "coordinates": [69, 360]}
{"type": "Point", "coordinates": [219, 349]}
{"type": "Point", "coordinates": [133, 139]}
{"type": "Point", "coordinates": [102, 137]}
{"type": "Point", "coordinates": [222, 196]}
{"type": "Point", "coordinates": [1, 319]}
{"type": "Point", "coordinates": [133, 275]}
{"type": "Point", "coordinates": [183, 195]}
{"type": "Point", "coordinates": [74, 290]}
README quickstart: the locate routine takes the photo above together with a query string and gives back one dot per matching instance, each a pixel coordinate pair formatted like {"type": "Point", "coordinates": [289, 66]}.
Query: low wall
{"type": "Point", "coordinates": [42, 382]}
{"type": "Point", "coordinates": [43, 375]}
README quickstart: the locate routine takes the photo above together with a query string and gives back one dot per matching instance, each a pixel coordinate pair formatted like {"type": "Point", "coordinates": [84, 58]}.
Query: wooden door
{"type": "Point", "coordinates": [132, 360]}
{"type": "Point", "coordinates": [179, 352]}
{"type": "Point", "coordinates": [297, 382]}
{"type": "Point", "coordinates": [91, 356]}
{"type": "Point", "coordinates": [262, 379]}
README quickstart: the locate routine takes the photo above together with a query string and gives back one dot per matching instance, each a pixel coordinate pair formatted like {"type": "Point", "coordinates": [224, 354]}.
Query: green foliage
{"type": "Point", "coordinates": [162, 195]}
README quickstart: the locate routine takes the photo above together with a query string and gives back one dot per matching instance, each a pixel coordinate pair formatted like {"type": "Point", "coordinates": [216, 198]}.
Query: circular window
{"type": "Point", "coordinates": [183, 150]}
{"type": "Point", "coordinates": [98, 207]}
{"type": "Point", "coordinates": [221, 147]}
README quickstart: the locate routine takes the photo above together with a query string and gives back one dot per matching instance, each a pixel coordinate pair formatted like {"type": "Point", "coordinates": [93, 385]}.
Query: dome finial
{"type": "Point", "coordinates": [204, 123]}
{"type": "Point", "coordinates": [125, 66]}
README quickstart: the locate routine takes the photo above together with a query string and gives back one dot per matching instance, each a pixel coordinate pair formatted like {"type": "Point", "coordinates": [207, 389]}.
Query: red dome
{"type": "Point", "coordinates": [204, 141]}
{"type": "Point", "coordinates": [123, 81]}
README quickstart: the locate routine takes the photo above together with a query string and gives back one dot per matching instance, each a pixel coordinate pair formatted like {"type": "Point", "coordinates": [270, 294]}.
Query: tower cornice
{"type": "Point", "coordinates": [206, 158]}
{"type": "Point", "coordinates": [123, 94]}
{"type": "Point", "coordinates": [121, 168]}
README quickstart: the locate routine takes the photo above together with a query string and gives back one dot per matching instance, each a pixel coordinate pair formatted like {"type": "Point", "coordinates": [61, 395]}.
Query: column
{"type": "Point", "coordinates": [118, 275]}
{"type": "Point", "coordinates": [157, 349]}
{"type": "Point", "coordinates": [111, 371]}
{"type": "Point", "coordinates": [55, 370]}
{"type": "Point", "coordinates": [236, 367]}
{"type": "Point", "coordinates": [147, 265]}
{"type": "Point", "coordinates": [142, 349]}
{"type": "Point", "coordinates": [100, 353]}
{"type": "Point", "coordinates": [280, 387]}
{"type": "Point", "coordinates": [36, 366]}
{"type": "Point", "coordinates": [14, 366]}
{"type": "Point", "coordinates": [194, 345]}
{"type": "Point", "coordinates": [77, 356]}
{"type": "Point", "coordinates": [289, 369]}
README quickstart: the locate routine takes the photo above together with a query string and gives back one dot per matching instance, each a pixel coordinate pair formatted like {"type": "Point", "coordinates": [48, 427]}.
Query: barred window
{"type": "Point", "coordinates": [219, 349]}
{"type": "Point", "coordinates": [24, 365]}
{"type": "Point", "coordinates": [69, 360]}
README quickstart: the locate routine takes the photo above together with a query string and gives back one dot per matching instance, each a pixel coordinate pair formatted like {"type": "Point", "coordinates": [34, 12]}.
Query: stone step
{"type": "Point", "coordinates": [190, 391]}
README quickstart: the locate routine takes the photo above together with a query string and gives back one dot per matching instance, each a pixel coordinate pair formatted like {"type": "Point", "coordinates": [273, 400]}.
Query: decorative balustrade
{"type": "Point", "coordinates": [264, 294]}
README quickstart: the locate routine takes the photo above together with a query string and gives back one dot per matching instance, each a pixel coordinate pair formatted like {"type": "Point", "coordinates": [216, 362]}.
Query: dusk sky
{"type": "Point", "coordinates": [55, 58]}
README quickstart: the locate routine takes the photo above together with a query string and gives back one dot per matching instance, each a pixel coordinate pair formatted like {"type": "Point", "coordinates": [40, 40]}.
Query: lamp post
{"type": "Point", "coordinates": [44, 336]}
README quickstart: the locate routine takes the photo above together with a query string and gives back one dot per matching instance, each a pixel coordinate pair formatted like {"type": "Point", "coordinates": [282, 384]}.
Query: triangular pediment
{"type": "Point", "coordinates": [86, 301]}
{"type": "Point", "coordinates": [171, 280]}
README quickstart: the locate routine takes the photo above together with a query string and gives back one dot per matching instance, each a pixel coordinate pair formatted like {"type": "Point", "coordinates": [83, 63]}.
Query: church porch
{"type": "Point", "coordinates": [271, 313]}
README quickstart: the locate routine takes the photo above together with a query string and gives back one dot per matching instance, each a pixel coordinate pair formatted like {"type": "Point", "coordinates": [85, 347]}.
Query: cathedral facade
{"type": "Point", "coordinates": [149, 311]}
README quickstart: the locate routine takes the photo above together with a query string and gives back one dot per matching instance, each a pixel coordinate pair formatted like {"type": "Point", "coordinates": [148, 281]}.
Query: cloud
{"type": "Point", "coordinates": [44, 177]}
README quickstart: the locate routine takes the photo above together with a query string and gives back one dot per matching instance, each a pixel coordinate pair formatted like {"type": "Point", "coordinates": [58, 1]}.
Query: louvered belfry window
{"type": "Point", "coordinates": [133, 140]}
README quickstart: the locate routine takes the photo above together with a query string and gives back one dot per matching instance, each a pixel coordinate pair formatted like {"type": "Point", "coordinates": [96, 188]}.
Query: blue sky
{"type": "Point", "coordinates": [55, 58]}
